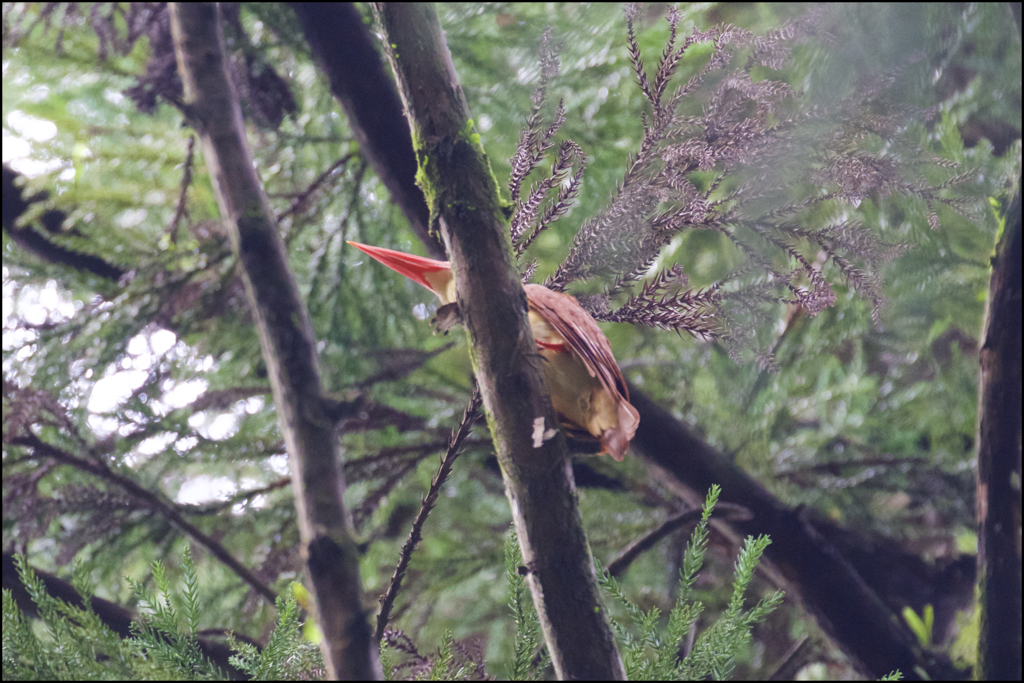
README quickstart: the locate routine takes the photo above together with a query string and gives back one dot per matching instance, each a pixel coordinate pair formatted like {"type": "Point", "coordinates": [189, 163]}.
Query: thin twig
{"type": "Point", "coordinates": [387, 601]}
{"type": "Point", "coordinates": [726, 512]}
{"type": "Point", "coordinates": [151, 500]}
{"type": "Point", "coordinates": [186, 182]}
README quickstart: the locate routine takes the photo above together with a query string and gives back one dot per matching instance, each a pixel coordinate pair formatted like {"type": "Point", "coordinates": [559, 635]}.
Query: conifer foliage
{"type": "Point", "coordinates": [731, 151]}
{"type": "Point", "coordinates": [722, 152]}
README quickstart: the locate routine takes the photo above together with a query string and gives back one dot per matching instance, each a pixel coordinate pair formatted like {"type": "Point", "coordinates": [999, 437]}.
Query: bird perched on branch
{"type": "Point", "coordinates": [586, 386]}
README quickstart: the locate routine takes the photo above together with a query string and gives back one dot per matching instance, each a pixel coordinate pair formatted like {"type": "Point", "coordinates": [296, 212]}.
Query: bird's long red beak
{"type": "Point", "coordinates": [413, 267]}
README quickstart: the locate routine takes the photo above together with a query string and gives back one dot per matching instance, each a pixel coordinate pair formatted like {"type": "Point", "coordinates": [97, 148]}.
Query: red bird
{"type": "Point", "coordinates": [586, 386]}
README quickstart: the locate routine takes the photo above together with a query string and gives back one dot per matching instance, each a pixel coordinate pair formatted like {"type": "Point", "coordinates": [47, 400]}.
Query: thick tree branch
{"type": "Point", "coordinates": [804, 550]}
{"type": "Point", "coordinates": [999, 461]}
{"type": "Point", "coordinates": [35, 241]}
{"type": "Point", "coordinates": [359, 80]}
{"type": "Point", "coordinates": [463, 194]}
{"type": "Point", "coordinates": [289, 347]}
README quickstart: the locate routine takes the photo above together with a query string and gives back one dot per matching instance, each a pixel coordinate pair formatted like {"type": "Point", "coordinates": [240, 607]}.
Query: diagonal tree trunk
{"type": "Point", "coordinates": [803, 551]}
{"type": "Point", "coordinates": [289, 347]}
{"type": "Point", "coordinates": [359, 80]}
{"type": "Point", "coordinates": [463, 197]}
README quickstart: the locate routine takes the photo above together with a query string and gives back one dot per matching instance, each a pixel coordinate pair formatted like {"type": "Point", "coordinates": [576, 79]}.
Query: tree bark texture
{"type": "Point", "coordinates": [464, 201]}
{"type": "Point", "coordinates": [999, 461]}
{"type": "Point", "coordinates": [286, 336]}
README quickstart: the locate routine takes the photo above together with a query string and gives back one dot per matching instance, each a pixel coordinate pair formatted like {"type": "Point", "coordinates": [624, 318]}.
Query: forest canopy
{"type": "Point", "coordinates": [828, 383]}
